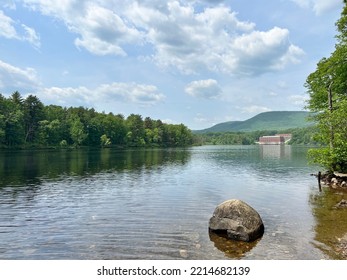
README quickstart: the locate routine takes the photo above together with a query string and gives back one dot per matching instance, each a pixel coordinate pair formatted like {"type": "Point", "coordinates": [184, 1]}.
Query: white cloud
{"type": "Point", "coordinates": [180, 35]}
{"type": "Point", "coordinates": [15, 77]}
{"type": "Point", "coordinates": [207, 121]}
{"type": "Point", "coordinates": [135, 93]}
{"type": "Point", "coordinates": [6, 27]}
{"type": "Point", "coordinates": [169, 121]}
{"type": "Point", "coordinates": [9, 31]}
{"type": "Point", "coordinates": [255, 109]}
{"type": "Point", "coordinates": [298, 100]}
{"type": "Point", "coordinates": [272, 93]}
{"type": "Point", "coordinates": [100, 26]}
{"type": "Point", "coordinates": [260, 51]}
{"type": "Point", "coordinates": [144, 95]}
{"type": "Point", "coordinates": [213, 39]}
{"type": "Point", "coordinates": [104, 32]}
{"type": "Point", "coordinates": [31, 36]}
{"type": "Point", "coordinates": [320, 7]}
{"type": "Point", "coordinates": [207, 89]}
{"type": "Point", "coordinates": [9, 4]}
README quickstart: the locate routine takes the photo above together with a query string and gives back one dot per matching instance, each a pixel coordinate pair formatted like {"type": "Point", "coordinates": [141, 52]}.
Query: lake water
{"type": "Point", "coordinates": [156, 203]}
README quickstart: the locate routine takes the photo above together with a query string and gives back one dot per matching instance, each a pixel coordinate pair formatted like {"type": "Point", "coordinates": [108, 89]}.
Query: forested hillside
{"type": "Point", "coordinates": [27, 122]}
{"type": "Point", "coordinates": [274, 120]}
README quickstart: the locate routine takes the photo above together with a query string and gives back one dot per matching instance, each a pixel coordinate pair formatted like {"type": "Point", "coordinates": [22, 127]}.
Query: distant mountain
{"type": "Point", "coordinates": [274, 120]}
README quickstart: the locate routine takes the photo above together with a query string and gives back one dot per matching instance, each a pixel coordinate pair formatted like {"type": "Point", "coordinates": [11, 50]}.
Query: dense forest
{"type": "Point", "coordinates": [300, 136]}
{"type": "Point", "coordinates": [27, 122]}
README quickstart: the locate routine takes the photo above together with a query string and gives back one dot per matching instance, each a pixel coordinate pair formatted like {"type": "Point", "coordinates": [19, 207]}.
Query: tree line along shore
{"type": "Point", "coordinates": [28, 123]}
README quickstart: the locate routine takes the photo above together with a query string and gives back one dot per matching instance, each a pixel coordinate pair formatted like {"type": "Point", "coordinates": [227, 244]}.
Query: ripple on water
{"type": "Point", "coordinates": [158, 207]}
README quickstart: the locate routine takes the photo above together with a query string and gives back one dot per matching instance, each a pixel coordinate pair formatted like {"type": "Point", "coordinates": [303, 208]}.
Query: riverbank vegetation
{"type": "Point", "coordinates": [300, 136]}
{"type": "Point", "coordinates": [327, 88]}
{"type": "Point", "coordinates": [27, 122]}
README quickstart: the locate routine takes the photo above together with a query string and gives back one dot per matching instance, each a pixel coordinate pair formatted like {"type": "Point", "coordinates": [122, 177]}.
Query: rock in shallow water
{"type": "Point", "coordinates": [239, 220]}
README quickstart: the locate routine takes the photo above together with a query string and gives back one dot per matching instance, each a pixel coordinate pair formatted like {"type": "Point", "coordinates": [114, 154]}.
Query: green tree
{"type": "Point", "coordinates": [11, 122]}
{"type": "Point", "coordinates": [50, 133]}
{"type": "Point", "coordinates": [33, 114]}
{"type": "Point", "coordinates": [105, 141]}
{"type": "Point", "coordinates": [2, 120]}
{"type": "Point", "coordinates": [327, 88]}
{"type": "Point", "coordinates": [29, 121]}
{"type": "Point", "coordinates": [17, 99]}
{"type": "Point", "coordinates": [77, 131]}
{"type": "Point", "coordinates": [115, 128]}
{"type": "Point", "coordinates": [136, 130]}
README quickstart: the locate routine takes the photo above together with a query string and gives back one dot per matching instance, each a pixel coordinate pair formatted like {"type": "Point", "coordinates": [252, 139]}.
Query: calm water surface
{"type": "Point", "coordinates": [155, 204]}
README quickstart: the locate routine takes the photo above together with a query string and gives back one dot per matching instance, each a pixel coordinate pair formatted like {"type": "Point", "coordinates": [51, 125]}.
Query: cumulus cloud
{"type": "Point", "coordinates": [22, 33]}
{"type": "Point", "coordinates": [319, 6]}
{"type": "Point", "coordinates": [207, 89]}
{"type": "Point", "coordinates": [104, 32]}
{"type": "Point", "coordinates": [213, 39]}
{"type": "Point", "coordinates": [100, 26]}
{"type": "Point", "coordinates": [15, 77]}
{"type": "Point", "coordinates": [259, 51]}
{"type": "Point", "coordinates": [181, 34]}
{"type": "Point", "coordinates": [144, 95]}
{"type": "Point", "coordinates": [188, 40]}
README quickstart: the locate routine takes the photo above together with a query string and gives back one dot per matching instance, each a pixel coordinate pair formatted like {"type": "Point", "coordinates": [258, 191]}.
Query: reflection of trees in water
{"type": "Point", "coordinates": [30, 167]}
{"type": "Point", "coordinates": [331, 226]}
{"type": "Point", "coordinates": [231, 248]}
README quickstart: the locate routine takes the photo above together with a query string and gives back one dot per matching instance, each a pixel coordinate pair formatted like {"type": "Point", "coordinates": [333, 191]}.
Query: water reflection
{"type": "Point", "coordinates": [275, 151]}
{"type": "Point", "coordinates": [331, 226]}
{"type": "Point", "coordinates": [152, 204]}
{"type": "Point", "coordinates": [231, 248]}
{"type": "Point", "coordinates": [30, 167]}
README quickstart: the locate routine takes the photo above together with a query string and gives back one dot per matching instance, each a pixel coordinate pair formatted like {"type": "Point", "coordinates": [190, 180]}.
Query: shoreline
{"type": "Point", "coordinates": [333, 180]}
{"type": "Point", "coordinates": [336, 181]}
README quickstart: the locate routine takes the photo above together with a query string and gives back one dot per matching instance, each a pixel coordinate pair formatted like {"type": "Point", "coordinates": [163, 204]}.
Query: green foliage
{"type": "Point", "coordinates": [11, 122]}
{"type": "Point", "coordinates": [276, 120]}
{"type": "Point", "coordinates": [300, 136]}
{"type": "Point", "coordinates": [327, 88]}
{"type": "Point", "coordinates": [303, 136]}
{"type": "Point", "coordinates": [321, 156]}
{"type": "Point", "coordinates": [136, 126]}
{"type": "Point", "coordinates": [77, 132]}
{"type": "Point", "coordinates": [27, 122]}
{"type": "Point", "coordinates": [63, 143]}
{"type": "Point", "coordinates": [105, 141]}
{"type": "Point", "coordinates": [33, 114]}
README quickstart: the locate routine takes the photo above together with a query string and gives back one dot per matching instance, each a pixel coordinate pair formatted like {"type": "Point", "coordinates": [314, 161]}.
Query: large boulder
{"type": "Point", "coordinates": [239, 220]}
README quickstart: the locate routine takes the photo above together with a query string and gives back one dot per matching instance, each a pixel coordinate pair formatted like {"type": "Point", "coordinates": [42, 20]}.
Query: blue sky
{"type": "Point", "coordinates": [197, 62]}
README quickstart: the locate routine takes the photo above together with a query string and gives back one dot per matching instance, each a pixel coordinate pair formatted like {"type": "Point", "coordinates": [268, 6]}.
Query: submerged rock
{"type": "Point", "coordinates": [239, 220]}
{"type": "Point", "coordinates": [184, 254]}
